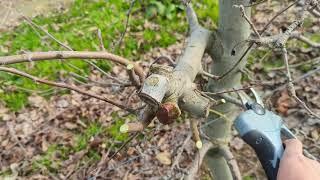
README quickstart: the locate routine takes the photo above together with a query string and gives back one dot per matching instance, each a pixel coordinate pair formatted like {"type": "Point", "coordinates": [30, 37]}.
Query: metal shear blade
{"type": "Point", "coordinates": [245, 99]}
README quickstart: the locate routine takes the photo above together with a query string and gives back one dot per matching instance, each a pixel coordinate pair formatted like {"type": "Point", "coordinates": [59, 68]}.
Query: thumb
{"type": "Point", "coordinates": [293, 147]}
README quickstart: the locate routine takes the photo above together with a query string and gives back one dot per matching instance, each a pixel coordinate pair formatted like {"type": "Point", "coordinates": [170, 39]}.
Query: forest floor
{"type": "Point", "coordinates": [10, 10]}
{"type": "Point", "coordinates": [71, 136]}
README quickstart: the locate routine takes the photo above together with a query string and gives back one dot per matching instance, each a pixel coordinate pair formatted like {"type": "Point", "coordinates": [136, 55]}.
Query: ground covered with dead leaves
{"type": "Point", "coordinates": [71, 136]}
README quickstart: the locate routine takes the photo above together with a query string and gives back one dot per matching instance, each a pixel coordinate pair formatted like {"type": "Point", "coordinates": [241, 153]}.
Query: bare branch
{"type": "Point", "coordinates": [146, 116]}
{"type": "Point", "coordinates": [291, 88]}
{"type": "Point", "coordinates": [180, 151]}
{"type": "Point", "coordinates": [126, 24]}
{"type": "Point", "coordinates": [66, 86]}
{"type": "Point", "coordinates": [315, 13]}
{"type": "Point", "coordinates": [192, 17]}
{"type": "Point", "coordinates": [256, 3]}
{"type": "Point", "coordinates": [120, 84]}
{"type": "Point", "coordinates": [164, 57]}
{"type": "Point", "coordinates": [52, 55]}
{"type": "Point", "coordinates": [136, 134]}
{"type": "Point", "coordinates": [312, 72]}
{"type": "Point", "coordinates": [45, 31]}
{"type": "Point", "coordinates": [209, 75]}
{"type": "Point", "coordinates": [227, 91]}
{"type": "Point", "coordinates": [223, 116]}
{"type": "Point", "coordinates": [198, 160]}
{"type": "Point", "coordinates": [34, 25]}
{"type": "Point", "coordinates": [102, 48]}
{"type": "Point", "coordinates": [310, 61]}
{"type": "Point", "coordinates": [196, 133]}
{"type": "Point", "coordinates": [5, 17]}
{"type": "Point", "coordinates": [304, 39]}
{"type": "Point", "coordinates": [244, 15]}
{"type": "Point", "coordinates": [232, 162]}
{"type": "Point", "coordinates": [277, 15]}
{"type": "Point", "coordinates": [231, 99]}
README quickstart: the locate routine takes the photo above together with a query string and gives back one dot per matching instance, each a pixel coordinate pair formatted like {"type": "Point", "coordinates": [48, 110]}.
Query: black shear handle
{"type": "Point", "coordinates": [265, 151]}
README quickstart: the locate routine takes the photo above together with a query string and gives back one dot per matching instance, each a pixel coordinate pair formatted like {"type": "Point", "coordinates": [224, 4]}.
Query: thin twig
{"type": "Point", "coordinates": [126, 24]}
{"type": "Point", "coordinates": [136, 134]}
{"type": "Point", "coordinates": [5, 17]}
{"type": "Point", "coordinates": [255, 4]}
{"type": "Point", "coordinates": [244, 15]}
{"type": "Point", "coordinates": [219, 114]}
{"type": "Point", "coordinates": [227, 91]}
{"type": "Point", "coordinates": [99, 34]}
{"type": "Point", "coordinates": [166, 58]}
{"type": "Point", "coordinates": [304, 39]}
{"type": "Point", "coordinates": [180, 151]}
{"type": "Point", "coordinates": [66, 86]}
{"type": "Point", "coordinates": [46, 32]}
{"type": "Point", "coordinates": [196, 133]}
{"type": "Point", "coordinates": [310, 61]}
{"type": "Point", "coordinates": [291, 88]}
{"type": "Point", "coordinates": [306, 75]}
{"type": "Point", "coordinates": [69, 48]}
{"type": "Point", "coordinates": [209, 75]}
{"type": "Point", "coordinates": [121, 84]}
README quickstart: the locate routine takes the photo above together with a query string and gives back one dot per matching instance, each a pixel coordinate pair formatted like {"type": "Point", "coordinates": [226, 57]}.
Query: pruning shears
{"type": "Point", "coordinates": [262, 130]}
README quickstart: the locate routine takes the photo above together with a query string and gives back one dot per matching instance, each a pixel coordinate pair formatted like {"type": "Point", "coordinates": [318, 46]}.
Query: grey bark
{"type": "Point", "coordinates": [232, 29]}
{"type": "Point", "coordinates": [177, 85]}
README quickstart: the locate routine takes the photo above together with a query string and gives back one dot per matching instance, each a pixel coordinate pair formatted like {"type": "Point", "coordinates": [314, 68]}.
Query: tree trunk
{"type": "Point", "coordinates": [232, 29]}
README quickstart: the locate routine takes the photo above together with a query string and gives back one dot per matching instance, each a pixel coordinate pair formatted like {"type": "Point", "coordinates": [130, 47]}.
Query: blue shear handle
{"type": "Point", "coordinates": [265, 151]}
{"type": "Point", "coordinates": [262, 132]}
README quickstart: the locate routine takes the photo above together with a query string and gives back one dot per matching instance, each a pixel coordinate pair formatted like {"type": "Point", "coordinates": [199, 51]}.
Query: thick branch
{"type": "Point", "coordinates": [232, 162]}
{"type": "Point", "coordinates": [192, 18]}
{"type": "Point", "coordinates": [63, 85]}
{"type": "Point", "coordinates": [52, 55]}
{"type": "Point", "coordinates": [173, 88]}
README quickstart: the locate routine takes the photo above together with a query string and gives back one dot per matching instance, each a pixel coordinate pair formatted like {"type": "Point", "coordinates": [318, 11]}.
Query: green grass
{"type": "Point", "coordinates": [78, 26]}
{"type": "Point", "coordinates": [248, 178]}
{"type": "Point", "coordinates": [53, 158]}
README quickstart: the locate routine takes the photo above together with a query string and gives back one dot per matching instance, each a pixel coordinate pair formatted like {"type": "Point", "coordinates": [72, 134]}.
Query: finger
{"type": "Point", "coordinates": [293, 147]}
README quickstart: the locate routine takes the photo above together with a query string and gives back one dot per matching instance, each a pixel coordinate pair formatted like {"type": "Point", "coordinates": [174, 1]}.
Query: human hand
{"type": "Point", "coordinates": [295, 166]}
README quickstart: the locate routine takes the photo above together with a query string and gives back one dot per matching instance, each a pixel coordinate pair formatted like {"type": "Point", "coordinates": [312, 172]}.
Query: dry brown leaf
{"type": "Point", "coordinates": [283, 103]}
{"type": "Point", "coordinates": [44, 145]}
{"type": "Point", "coordinates": [133, 177]}
{"type": "Point", "coordinates": [164, 158]}
{"type": "Point", "coordinates": [6, 117]}
{"type": "Point", "coordinates": [315, 134]}
{"type": "Point", "coordinates": [131, 150]}
{"type": "Point", "coordinates": [70, 126]}
{"type": "Point", "coordinates": [95, 142]}
{"type": "Point", "coordinates": [37, 101]}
